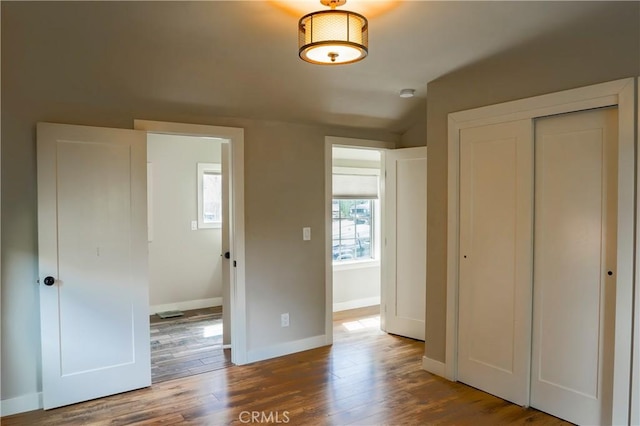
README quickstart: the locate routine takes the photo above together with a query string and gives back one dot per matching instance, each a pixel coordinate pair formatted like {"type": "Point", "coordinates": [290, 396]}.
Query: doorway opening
{"type": "Point", "coordinates": [356, 227]}
{"type": "Point", "coordinates": [376, 228]}
{"type": "Point", "coordinates": [231, 252]}
{"type": "Point", "coordinates": [185, 246]}
{"type": "Point", "coordinates": [355, 237]}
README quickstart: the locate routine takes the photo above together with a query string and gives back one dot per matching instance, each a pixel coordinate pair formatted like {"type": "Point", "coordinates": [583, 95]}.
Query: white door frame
{"type": "Point", "coordinates": [618, 93]}
{"type": "Point", "coordinates": [235, 136]}
{"type": "Point", "coordinates": [329, 143]}
{"type": "Point", "coordinates": [635, 385]}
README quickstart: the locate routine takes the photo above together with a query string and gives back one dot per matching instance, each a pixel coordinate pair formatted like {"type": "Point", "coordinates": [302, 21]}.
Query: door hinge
{"type": "Point", "coordinates": [234, 264]}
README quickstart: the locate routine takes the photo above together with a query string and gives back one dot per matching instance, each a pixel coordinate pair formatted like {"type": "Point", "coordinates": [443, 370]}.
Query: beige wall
{"type": "Point", "coordinates": [575, 56]}
{"type": "Point", "coordinates": [416, 135]}
{"type": "Point", "coordinates": [284, 191]}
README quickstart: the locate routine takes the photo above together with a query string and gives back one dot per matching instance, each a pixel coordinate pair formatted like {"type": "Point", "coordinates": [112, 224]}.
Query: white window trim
{"type": "Point", "coordinates": [202, 169]}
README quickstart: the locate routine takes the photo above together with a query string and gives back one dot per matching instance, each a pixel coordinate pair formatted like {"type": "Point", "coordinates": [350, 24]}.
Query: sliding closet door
{"type": "Point", "coordinates": [496, 206]}
{"type": "Point", "coordinates": [574, 258]}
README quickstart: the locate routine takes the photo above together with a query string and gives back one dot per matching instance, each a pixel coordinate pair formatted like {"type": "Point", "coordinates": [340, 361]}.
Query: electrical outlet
{"type": "Point", "coordinates": [306, 234]}
{"type": "Point", "coordinates": [284, 320]}
{"type": "Point", "coordinates": [194, 225]}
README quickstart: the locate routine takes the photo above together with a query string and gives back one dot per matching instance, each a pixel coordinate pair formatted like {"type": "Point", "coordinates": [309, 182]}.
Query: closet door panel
{"type": "Point", "coordinates": [495, 258]}
{"type": "Point", "coordinates": [574, 265]}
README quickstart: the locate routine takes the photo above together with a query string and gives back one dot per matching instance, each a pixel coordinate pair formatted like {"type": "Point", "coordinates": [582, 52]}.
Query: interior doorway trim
{"type": "Point", "coordinates": [329, 143]}
{"type": "Point", "coordinates": [235, 136]}
{"type": "Point", "coordinates": [618, 93]}
{"type": "Point", "coordinates": [635, 369]}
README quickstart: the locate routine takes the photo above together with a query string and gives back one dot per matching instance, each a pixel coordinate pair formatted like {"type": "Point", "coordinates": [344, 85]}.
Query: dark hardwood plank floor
{"type": "Point", "coordinates": [366, 378]}
{"type": "Point", "coordinates": [187, 345]}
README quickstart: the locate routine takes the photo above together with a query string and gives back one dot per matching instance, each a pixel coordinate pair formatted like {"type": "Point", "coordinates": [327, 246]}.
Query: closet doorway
{"type": "Point", "coordinates": [568, 171]}
{"type": "Point", "coordinates": [542, 240]}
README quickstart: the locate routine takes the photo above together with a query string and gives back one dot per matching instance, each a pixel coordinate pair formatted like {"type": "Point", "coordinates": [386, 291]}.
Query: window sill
{"type": "Point", "coordinates": [355, 264]}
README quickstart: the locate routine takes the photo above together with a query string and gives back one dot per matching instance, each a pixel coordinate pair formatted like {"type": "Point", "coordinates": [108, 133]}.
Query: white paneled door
{"type": "Point", "coordinates": [496, 172]}
{"type": "Point", "coordinates": [92, 237]}
{"type": "Point", "coordinates": [405, 251]}
{"type": "Point", "coordinates": [575, 265]}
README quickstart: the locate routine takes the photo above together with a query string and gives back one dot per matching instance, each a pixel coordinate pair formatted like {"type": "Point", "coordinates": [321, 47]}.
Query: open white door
{"type": "Point", "coordinates": [405, 251]}
{"type": "Point", "coordinates": [92, 238]}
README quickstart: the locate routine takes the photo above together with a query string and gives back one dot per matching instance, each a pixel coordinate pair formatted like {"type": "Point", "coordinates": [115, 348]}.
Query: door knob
{"type": "Point", "coordinates": [49, 281]}
{"type": "Point", "coordinates": [227, 255]}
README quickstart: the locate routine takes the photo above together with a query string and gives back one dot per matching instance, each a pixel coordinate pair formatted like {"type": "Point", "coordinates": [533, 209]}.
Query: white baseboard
{"type": "Point", "coordinates": [436, 367]}
{"type": "Point", "coordinates": [358, 303]}
{"type": "Point", "coordinates": [286, 348]}
{"type": "Point", "coordinates": [187, 305]}
{"type": "Point", "coordinates": [21, 404]}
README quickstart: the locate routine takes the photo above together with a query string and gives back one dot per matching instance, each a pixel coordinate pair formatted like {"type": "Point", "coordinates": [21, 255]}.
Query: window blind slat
{"type": "Point", "coordinates": [346, 186]}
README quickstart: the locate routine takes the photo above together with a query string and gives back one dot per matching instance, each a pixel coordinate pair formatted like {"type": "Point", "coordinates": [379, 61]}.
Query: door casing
{"type": "Point", "coordinates": [235, 138]}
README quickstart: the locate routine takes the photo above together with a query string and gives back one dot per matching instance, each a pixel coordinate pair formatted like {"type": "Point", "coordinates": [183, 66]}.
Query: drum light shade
{"type": "Point", "coordinates": [333, 37]}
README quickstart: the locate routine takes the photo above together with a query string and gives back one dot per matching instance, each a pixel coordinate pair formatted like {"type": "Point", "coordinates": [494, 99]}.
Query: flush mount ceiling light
{"type": "Point", "coordinates": [333, 37]}
{"type": "Point", "coordinates": [407, 93]}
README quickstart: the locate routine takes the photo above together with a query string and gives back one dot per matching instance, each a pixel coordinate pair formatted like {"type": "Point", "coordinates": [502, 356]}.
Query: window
{"type": "Point", "coordinates": [209, 195]}
{"type": "Point", "coordinates": [354, 204]}
{"type": "Point", "coordinates": [353, 229]}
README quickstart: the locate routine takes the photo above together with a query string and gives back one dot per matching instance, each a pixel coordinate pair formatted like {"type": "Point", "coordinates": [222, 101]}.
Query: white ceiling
{"type": "Point", "coordinates": [239, 58]}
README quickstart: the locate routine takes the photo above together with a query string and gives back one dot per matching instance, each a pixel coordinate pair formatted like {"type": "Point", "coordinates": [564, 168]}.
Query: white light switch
{"type": "Point", "coordinates": [306, 234]}
{"type": "Point", "coordinates": [194, 225]}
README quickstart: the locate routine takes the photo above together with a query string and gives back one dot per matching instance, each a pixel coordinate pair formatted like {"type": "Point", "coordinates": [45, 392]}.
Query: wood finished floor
{"type": "Point", "coordinates": [187, 345]}
{"type": "Point", "coordinates": [366, 378]}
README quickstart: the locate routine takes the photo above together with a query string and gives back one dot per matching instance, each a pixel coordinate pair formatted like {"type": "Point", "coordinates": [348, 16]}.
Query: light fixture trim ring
{"type": "Point", "coordinates": [361, 48]}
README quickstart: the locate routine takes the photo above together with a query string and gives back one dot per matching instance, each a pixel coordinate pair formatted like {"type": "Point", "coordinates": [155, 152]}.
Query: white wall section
{"type": "Point", "coordinates": [184, 265]}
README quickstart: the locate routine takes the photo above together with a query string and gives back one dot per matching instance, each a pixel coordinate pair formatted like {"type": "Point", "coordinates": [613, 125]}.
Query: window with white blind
{"type": "Point", "coordinates": [355, 198]}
